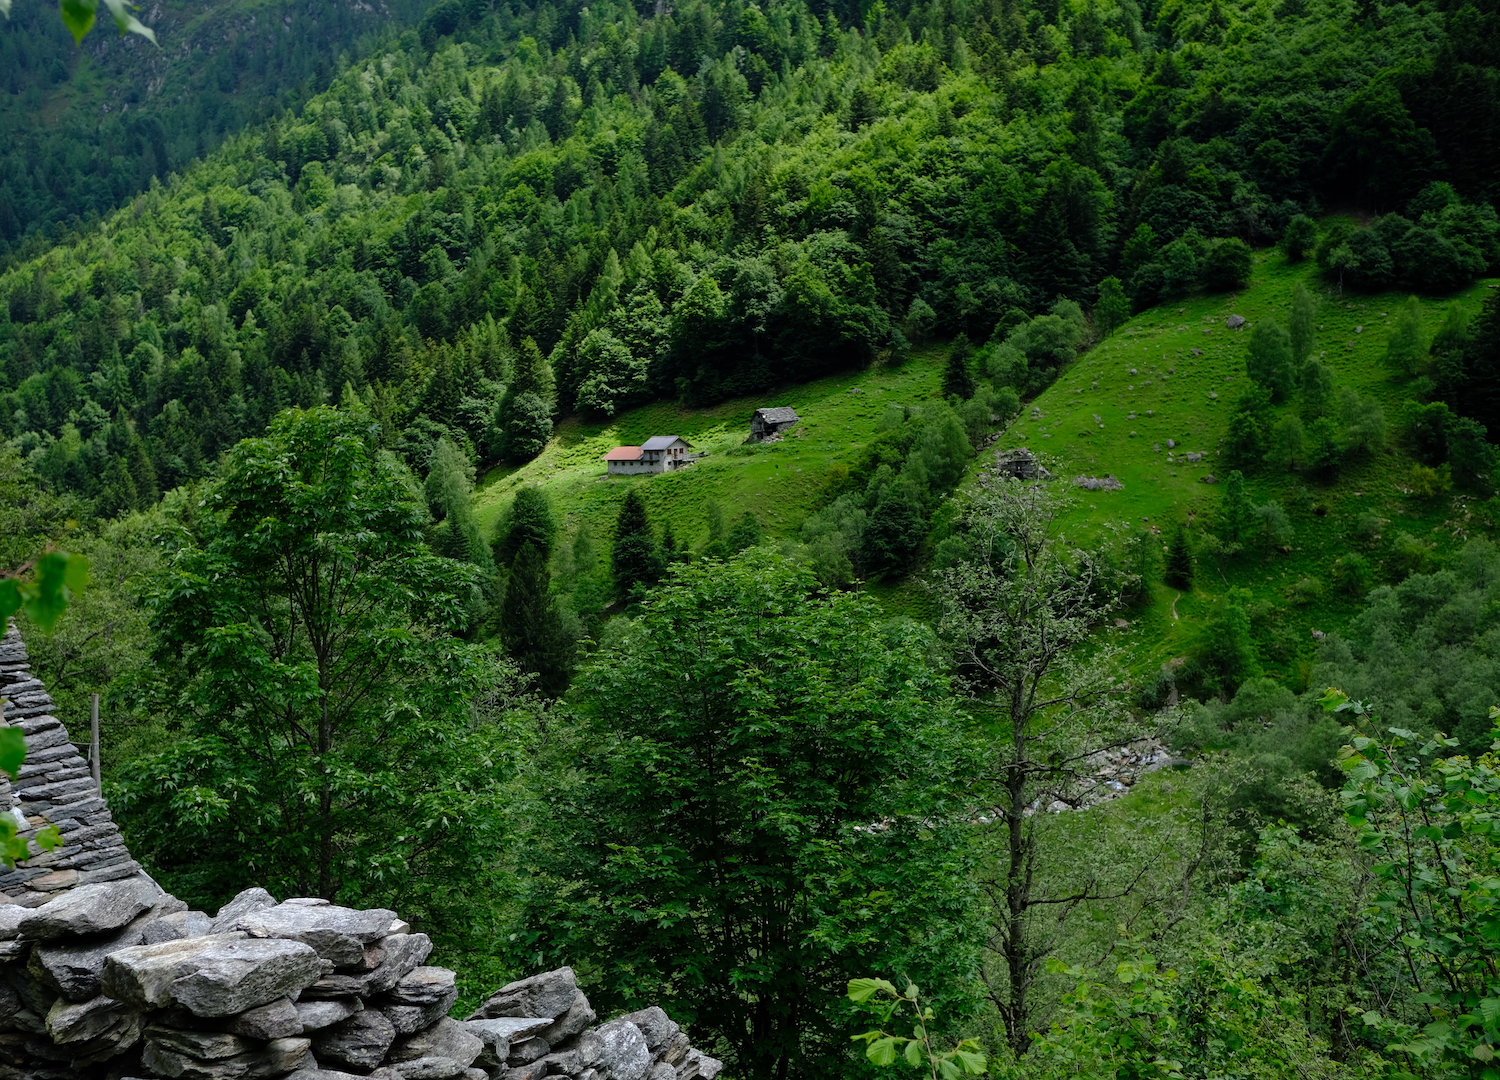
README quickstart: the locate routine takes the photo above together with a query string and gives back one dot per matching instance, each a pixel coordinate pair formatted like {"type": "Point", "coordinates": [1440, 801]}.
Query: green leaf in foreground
{"type": "Point", "coordinates": [12, 750]}
{"type": "Point", "coordinates": [78, 16]}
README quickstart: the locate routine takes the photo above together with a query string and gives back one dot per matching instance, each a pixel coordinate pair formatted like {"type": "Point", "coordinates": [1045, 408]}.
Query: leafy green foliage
{"type": "Point", "coordinates": [328, 736]}
{"type": "Point", "coordinates": [767, 802]}
{"type": "Point", "coordinates": [79, 15]}
{"type": "Point", "coordinates": [1423, 648]}
{"type": "Point", "coordinates": [1155, 1022]}
{"type": "Point", "coordinates": [1269, 360]}
{"type": "Point", "coordinates": [43, 589]}
{"type": "Point", "coordinates": [1426, 820]}
{"type": "Point", "coordinates": [916, 1050]}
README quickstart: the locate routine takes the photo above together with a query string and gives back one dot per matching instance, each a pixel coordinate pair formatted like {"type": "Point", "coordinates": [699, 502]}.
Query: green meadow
{"type": "Point", "coordinates": [1134, 406]}
{"type": "Point", "coordinates": [780, 482]}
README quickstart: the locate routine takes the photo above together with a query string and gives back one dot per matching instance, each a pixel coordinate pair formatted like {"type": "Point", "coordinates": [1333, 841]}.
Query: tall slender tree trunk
{"type": "Point", "coordinates": [325, 803]}
{"type": "Point", "coordinates": [1017, 900]}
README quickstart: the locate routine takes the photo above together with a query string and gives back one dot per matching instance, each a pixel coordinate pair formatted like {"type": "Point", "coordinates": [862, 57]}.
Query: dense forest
{"type": "Point", "coordinates": [269, 334]}
{"type": "Point", "coordinates": [89, 128]}
{"type": "Point", "coordinates": [549, 211]}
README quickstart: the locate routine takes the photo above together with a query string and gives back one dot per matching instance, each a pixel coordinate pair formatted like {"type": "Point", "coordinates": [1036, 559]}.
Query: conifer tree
{"type": "Point", "coordinates": [1269, 362]}
{"type": "Point", "coordinates": [530, 520]}
{"type": "Point", "coordinates": [637, 558]}
{"type": "Point", "coordinates": [1234, 514]}
{"type": "Point", "coordinates": [958, 376]}
{"type": "Point", "coordinates": [746, 533]}
{"type": "Point", "coordinates": [1302, 322]}
{"type": "Point", "coordinates": [530, 625]}
{"type": "Point", "coordinates": [450, 479]}
{"type": "Point", "coordinates": [1404, 349]}
{"type": "Point", "coordinates": [524, 416]}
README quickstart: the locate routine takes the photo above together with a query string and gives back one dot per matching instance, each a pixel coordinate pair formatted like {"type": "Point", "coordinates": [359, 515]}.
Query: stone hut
{"type": "Point", "coordinates": [1019, 463]}
{"type": "Point", "coordinates": [767, 423]}
{"type": "Point", "coordinates": [106, 976]}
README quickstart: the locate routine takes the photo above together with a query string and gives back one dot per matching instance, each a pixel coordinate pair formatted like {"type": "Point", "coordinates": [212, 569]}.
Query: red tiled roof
{"type": "Point", "coordinates": [624, 453]}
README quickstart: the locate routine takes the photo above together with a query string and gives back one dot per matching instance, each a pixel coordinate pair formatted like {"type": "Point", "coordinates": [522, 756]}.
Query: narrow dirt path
{"type": "Point", "coordinates": [1174, 606]}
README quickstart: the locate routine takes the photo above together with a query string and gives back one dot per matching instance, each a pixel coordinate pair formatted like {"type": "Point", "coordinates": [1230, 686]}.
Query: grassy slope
{"type": "Point", "coordinates": [1174, 393]}
{"type": "Point", "coordinates": [779, 482]}
{"type": "Point", "coordinates": [1178, 394]}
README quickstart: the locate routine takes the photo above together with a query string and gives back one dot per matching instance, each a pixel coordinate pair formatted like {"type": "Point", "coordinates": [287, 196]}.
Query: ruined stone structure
{"type": "Point", "coordinates": [105, 976]}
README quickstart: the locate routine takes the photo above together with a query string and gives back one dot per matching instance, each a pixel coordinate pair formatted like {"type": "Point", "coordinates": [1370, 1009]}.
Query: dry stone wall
{"type": "Point", "coordinates": [105, 976]}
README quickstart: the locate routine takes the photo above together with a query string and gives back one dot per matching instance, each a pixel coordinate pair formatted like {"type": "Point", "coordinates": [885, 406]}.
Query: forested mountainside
{"type": "Point", "coordinates": [87, 128]}
{"type": "Point", "coordinates": [885, 698]}
{"type": "Point", "coordinates": [521, 212]}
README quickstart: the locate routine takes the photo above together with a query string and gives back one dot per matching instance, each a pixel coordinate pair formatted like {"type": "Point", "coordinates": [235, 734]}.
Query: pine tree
{"type": "Point", "coordinates": [450, 480]}
{"type": "Point", "coordinates": [119, 495]}
{"type": "Point", "coordinates": [958, 376]}
{"type": "Point", "coordinates": [1404, 349]}
{"type": "Point", "coordinates": [1302, 323]}
{"type": "Point", "coordinates": [1317, 390]}
{"type": "Point", "coordinates": [746, 533]}
{"type": "Point", "coordinates": [530, 520]}
{"type": "Point", "coordinates": [524, 416]}
{"type": "Point", "coordinates": [1269, 362]}
{"type": "Point", "coordinates": [1179, 573]}
{"type": "Point", "coordinates": [636, 559]}
{"type": "Point", "coordinates": [530, 625]}
{"type": "Point", "coordinates": [1234, 513]}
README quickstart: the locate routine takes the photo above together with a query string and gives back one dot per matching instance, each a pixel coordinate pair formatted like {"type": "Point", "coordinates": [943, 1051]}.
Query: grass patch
{"type": "Point", "coordinates": [1174, 373]}
{"type": "Point", "coordinates": [781, 483]}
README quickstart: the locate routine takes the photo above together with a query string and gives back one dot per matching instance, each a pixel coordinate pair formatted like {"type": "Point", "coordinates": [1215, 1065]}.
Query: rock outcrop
{"type": "Point", "coordinates": [104, 976]}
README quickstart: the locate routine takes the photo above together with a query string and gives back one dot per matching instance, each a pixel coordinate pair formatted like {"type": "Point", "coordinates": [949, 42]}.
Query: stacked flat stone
{"type": "Point", "coordinates": [54, 787]}
{"type": "Point", "coordinates": [104, 976]}
{"type": "Point", "coordinates": [541, 1027]}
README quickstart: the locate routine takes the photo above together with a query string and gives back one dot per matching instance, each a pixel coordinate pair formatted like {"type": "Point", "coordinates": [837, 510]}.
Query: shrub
{"type": "Point", "coordinates": [1300, 238]}
{"type": "Point", "coordinates": [1227, 265]}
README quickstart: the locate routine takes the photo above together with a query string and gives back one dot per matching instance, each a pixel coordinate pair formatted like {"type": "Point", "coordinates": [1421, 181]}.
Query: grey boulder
{"type": "Point", "coordinates": [274, 1058]}
{"type": "Point", "coordinates": [175, 927]}
{"type": "Point", "coordinates": [339, 934]}
{"type": "Point", "coordinates": [276, 1020]}
{"type": "Point", "coordinates": [658, 1028]}
{"type": "Point", "coordinates": [89, 909]}
{"type": "Point", "coordinates": [579, 1016]}
{"type": "Point", "coordinates": [431, 1068]}
{"type": "Point", "coordinates": [102, 1024]}
{"type": "Point", "coordinates": [446, 1039]}
{"type": "Point", "coordinates": [245, 903]}
{"type": "Point", "coordinates": [316, 1015]}
{"type": "Point", "coordinates": [548, 994]}
{"type": "Point", "coordinates": [402, 953]}
{"type": "Point", "coordinates": [699, 1065]}
{"type": "Point", "coordinates": [498, 1032]}
{"type": "Point", "coordinates": [359, 1042]}
{"type": "Point", "coordinates": [218, 975]}
{"type": "Point", "coordinates": [73, 968]}
{"type": "Point", "coordinates": [625, 1055]}
{"type": "Point", "coordinates": [420, 998]}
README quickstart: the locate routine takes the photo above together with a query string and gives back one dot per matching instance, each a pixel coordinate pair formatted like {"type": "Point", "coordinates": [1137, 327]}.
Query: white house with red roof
{"type": "Point", "coordinates": [658, 454]}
